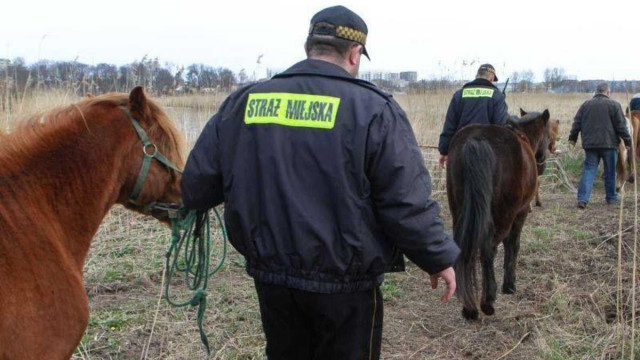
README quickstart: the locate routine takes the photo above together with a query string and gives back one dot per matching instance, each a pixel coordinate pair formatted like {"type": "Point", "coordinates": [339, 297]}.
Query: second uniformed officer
{"type": "Point", "coordinates": [325, 190]}
{"type": "Point", "coordinates": [478, 102]}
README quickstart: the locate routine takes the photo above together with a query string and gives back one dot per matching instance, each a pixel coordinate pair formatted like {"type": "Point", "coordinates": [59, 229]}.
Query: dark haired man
{"type": "Point", "coordinates": [478, 102]}
{"type": "Point", "coordinates": [325, 190]}
{"type": "Point", "coordinates": [635, 103]}
{"type": "Point", "coordinates": [601, 123]}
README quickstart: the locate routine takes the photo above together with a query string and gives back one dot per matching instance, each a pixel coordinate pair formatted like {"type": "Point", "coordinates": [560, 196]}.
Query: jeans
{"type": "Point", "coordinates": [592, 159]}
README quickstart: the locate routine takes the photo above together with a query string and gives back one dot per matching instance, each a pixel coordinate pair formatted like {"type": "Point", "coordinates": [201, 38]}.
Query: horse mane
{"type": "Point", "coordinates": [46, 129]}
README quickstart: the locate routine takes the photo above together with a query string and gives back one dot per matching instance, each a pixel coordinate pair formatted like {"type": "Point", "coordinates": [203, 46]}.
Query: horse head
{"type": "Point", "coordinates": [553, 128]}
{"type": "Point", "coordinates": [153, 163]}
{"type": "Point", "coordinates": [537, 128]}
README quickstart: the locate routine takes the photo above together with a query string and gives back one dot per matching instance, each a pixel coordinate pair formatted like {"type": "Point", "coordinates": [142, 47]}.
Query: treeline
{"type": "Point", "coordinates": [17, 77]}
{"type": "Point", "coordinates": [554, 80]}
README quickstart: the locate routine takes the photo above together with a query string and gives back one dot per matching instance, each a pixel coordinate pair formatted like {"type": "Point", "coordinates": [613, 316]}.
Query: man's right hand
{"type": "Point", "coordinates": [443, 160]}
{"type": "Point", "coordinates": [449, 277]}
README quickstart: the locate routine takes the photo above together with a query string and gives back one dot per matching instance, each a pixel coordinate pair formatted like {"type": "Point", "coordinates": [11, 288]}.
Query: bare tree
{"type": "Point", "coordinates": [554, 77]}
{"type": "Point", "coordinates": [515, 80]}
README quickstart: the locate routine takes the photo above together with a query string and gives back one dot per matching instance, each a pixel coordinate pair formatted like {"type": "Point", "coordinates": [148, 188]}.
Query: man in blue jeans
{"type": "Point", "coordinates": [602, 124]}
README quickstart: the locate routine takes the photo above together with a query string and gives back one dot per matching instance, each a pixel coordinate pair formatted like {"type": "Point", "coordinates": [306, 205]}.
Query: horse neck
{"type": "Point", "coordinates": [534, 134]}
{"type": "Point", "coordinates": [71, 184]}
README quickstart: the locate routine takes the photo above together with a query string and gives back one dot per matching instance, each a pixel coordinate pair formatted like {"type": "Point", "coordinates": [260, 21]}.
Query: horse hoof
{"type": "Point", "coordinates": [538, 204]}
{"type": "Point", "coordinates": [470, 314]}
{"type": "Point", "coordinates": [509, 290]}
{"type": "Point", "coordinates": [487, 309]}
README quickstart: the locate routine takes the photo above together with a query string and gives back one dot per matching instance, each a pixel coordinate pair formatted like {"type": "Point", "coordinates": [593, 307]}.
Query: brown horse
{"type": "Point", "coordinates": [554, 132]}
{"type": "Point", "coordinates": [634, 116]}
{"type": "Point", "coordinates": [491, 179]}
{"type": "Point", "coordinates": [553, 128]}
{"type": "Point", "coordinates": [60, 173]}
{"type": "Point", "coordinates": [624, 164]}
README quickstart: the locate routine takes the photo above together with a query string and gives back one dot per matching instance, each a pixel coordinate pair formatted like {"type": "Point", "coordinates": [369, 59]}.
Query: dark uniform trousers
{"type": "Point", "coordinates": [303, 325]}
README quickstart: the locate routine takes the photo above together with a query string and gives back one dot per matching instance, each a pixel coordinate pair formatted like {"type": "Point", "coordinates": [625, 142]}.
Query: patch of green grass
{"type": "Point", "coordinates": [540, 239]}
{"type": "Point", "coordinates": [113, 320]}
{"type": "Point", "coordinates": [573, 165]}
{"type": "Point", "coordinates": [557, 304]}
{"type": "Point", "coordinates": [559, 349]}
{"type": "Point", "coordinates": [118, 272]}
{"type": "Point", "coordinates": [392, 288]}
{"type": "Point", "coordinates": [126, 250]}
{"type": "Point", "coordinates": [582, 234]}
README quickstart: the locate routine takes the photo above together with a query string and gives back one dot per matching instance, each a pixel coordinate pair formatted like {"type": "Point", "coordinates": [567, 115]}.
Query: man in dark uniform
{"type": "Point", "coordinates": [478, 102]}
{"type": "Point", "coordinates": [325, 190]}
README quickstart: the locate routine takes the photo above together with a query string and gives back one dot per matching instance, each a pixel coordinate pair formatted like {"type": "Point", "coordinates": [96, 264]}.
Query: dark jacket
{"type": "Point", "coordinates": [478, 102]}
{"type": "Point", "coordinates": [602, 124]}
{"type": "Point", "coordinates": [635, 103]}
{"type": "Point", "coordinates": [323, 182]}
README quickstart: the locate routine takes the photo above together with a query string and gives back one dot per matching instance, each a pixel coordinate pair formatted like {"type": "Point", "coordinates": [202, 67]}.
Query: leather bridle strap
{"type": "Point", "coordinates": [151, 152]}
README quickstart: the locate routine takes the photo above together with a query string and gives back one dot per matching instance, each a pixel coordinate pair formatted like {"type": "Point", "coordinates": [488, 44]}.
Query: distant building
{"type": "Point", "coordinates": [392, 76]}
{"type": "Point", "coordinates": [372, 75]}
{"type": "Point", "coordinates": [410, 76]}
{"type": "Point", "coordinates": [406, 76]}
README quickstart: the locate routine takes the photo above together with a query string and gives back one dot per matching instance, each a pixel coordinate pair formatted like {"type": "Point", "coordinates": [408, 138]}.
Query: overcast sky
{"type": "Point", "coordinates": [590, 39]}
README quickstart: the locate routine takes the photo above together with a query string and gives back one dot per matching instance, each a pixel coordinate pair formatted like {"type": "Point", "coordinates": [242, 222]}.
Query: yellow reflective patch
{"type": "Point", "coordinates": [298, 110]}
{"type": "Point", "coordinates": [477, 92]}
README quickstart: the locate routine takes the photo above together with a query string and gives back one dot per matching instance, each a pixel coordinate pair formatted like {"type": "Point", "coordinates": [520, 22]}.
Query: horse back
{"type": "Point", "coordinates": [514, 175]}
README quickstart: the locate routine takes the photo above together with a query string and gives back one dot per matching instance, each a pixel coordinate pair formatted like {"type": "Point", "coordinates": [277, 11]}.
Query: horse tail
{"type": "Point", "coordinates": [475, 224]}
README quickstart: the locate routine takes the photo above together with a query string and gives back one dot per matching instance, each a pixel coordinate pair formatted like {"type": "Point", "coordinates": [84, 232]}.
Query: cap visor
{"type": "Point", "coordinates": [365, 53]}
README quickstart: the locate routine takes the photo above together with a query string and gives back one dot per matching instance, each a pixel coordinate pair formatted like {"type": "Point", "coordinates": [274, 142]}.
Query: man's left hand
{"type": "Point", "coordinates": [449, 277]}
{"type": "Point", "coordinates": [443, 160]}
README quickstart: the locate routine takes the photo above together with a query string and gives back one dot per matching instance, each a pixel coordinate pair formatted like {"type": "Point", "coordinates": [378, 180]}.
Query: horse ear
{"type": "Point", "coordinates": [89, 96]}
{"type": "Point", "coordinates": [138, 103]}
{"type": "Point", "coordinates": [522, 112]}
{"type": "Point", "coordinates": [545, 116]}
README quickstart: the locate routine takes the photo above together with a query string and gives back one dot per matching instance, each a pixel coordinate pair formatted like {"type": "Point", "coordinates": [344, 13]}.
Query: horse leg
{"type": "Point", "coordinates": [511, 247]}
{"type": "Point", "coordinates": [489, 287]}
{"type": "Point", "coordinates": [538, 202]}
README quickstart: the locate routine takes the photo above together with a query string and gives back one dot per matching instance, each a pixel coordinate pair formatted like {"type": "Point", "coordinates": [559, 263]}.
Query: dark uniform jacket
{"type": "Point", "coordinates": [602, 124]}
{"type": "Point", "coordinates": [323, 182]}
{"type": "Point", "coordinates": [478, 102]}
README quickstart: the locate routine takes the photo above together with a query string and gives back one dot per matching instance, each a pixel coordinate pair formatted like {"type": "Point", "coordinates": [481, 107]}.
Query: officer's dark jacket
{"type": "Point", "coordinates": [319, 196]}
{"type": "Point", "coordinates": [478, 102]}
{"type": "Point", "coordinates": [602, 124]}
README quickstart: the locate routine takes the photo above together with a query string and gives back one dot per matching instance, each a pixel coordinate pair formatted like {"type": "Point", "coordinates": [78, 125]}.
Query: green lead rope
{"type": "Point", "coordinates": [191, 243]}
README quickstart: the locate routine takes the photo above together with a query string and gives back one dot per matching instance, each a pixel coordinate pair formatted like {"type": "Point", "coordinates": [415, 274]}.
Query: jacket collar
{"type": "Point", "coordinates": [316, 67]}
{"type": "Point", "coordinates": [601, 95]}
{"type": "Point", "coordinates": [322, 68]}
{"type": "Point", "coordinates": [480, 82]}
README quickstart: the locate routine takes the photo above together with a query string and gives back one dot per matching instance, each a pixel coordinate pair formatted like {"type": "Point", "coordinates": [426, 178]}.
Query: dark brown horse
{"type": "Point", "coordinates": [553, 128]}
{"type": "Point", "coordinates": [491, 179]}
{"type": "Point", "coordinates": [60, 173]}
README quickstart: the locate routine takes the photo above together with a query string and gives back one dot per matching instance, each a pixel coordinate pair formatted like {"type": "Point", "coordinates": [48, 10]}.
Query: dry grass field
{"type": "Point", "coordinates": [565, 306]}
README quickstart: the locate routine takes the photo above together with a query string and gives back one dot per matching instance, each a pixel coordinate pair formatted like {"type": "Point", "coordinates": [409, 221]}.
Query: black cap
{"type": "Point", "coordinates": [488, 68]}
{"type": "Point", "coordinates": [340, 22]}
